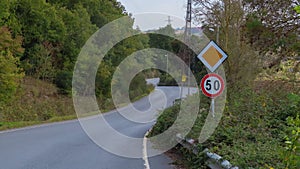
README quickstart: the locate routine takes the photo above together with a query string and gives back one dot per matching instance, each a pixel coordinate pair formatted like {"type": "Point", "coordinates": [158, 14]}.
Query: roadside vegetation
{"type": "Point", "coordinates": [260, 124]}
{"type": "Point", "coordinates": [40, 41]}
{"type": "Point", "coordinates": [259, 129]}
{"type": "Point", "coordinates": [39, 45]}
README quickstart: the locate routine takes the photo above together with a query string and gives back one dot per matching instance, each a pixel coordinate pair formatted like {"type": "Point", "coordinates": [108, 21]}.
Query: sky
{"type": "Point", "coordinates": [152, 14]}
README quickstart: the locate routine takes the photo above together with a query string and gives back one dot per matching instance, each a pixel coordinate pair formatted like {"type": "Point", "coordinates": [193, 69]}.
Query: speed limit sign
{"type": "Point", "coordinates": [212, 85]}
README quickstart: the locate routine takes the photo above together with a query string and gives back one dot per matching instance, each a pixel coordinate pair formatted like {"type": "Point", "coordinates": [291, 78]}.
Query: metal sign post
{"type": "Point", "coordinates": [212, 84]}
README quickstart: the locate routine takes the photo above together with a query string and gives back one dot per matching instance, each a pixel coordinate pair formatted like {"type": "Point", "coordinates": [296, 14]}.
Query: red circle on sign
{"type": "Point", "coordinates": [205, 90]}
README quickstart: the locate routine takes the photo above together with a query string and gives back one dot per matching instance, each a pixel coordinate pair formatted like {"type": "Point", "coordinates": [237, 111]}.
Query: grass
{"type": "Point", "coordinates": [39, 102]}
{"type": "Point", "coordinates": [21, 124]}
{"type": "Point", "coordinates": [13, 125]}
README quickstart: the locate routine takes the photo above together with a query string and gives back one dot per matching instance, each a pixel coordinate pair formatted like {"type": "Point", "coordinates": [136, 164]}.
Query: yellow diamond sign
{"type": "Point", "coordinates": [212, 56]}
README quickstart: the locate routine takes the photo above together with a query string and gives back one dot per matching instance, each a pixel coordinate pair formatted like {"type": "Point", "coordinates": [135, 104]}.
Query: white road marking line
{"type": "Point", "coordinates": [145, 154]}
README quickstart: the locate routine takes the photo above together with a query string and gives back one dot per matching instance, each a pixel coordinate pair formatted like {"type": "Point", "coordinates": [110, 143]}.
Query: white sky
{"type": "Point", "coordinates": [163, 8]}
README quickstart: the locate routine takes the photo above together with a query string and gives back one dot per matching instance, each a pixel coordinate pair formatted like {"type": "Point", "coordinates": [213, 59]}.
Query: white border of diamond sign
{"type": "Point", "coordinates": [200, 56]}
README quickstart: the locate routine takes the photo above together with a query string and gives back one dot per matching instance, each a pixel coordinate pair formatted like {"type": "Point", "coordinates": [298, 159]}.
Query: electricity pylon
{"type": "Point", "coordinates": [169, 20]}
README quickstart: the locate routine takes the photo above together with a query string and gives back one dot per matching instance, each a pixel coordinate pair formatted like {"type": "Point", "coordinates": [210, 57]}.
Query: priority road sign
{"type": "Point", "coordinates": [212, 85]}
{"type": "Point", "coordinates": [212, 56]}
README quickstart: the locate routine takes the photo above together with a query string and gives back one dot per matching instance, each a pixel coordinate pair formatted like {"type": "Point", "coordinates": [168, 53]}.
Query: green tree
{"type": "Point", "coordinates": [100, 11]}
{"type": "Point", "coordinates": [10, 73]}
{"type": "Point", "coordinates": [78, 29]}
{"type": "Point", "coordinates": [4, 11]}
{"type": "Point", "coordinates": [113, 59]}
{"type": "Point", "coordinates": [228, 16]}
{"type": "Point", "coordinates": [160, 40]}
{"type": "Point", "coordinates": [43, 32]}
{"type": "Point", "coordinates": [272, 28]}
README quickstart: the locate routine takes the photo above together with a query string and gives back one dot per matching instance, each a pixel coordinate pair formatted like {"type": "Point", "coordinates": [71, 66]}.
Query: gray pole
{"type": "Point", "coordinates": [167, 63]}
{"type": "Point", "coordinates": [188, 39]}
{"type": "Point", "coordinates": [218, 34]}
{"type": "Point", "coordinates": [167, 58]}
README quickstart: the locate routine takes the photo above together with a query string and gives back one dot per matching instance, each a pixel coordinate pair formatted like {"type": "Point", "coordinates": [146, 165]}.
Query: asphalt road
{"type": "Point", "coordinates": [66, 146]}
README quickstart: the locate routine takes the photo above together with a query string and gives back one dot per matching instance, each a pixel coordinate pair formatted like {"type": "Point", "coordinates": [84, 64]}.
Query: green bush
{"type": "Point", "coordinates": [165, 120]}
{"type": "Point", "coordinates": [167, 80]}
{"type": "Point", "coordinates": [138, 87]}
{"type": "Point", "coordinates": [10, 72]}
{"type": "Point", "coordinates": [292, 144]}
{"type": "Point", "coordinates": [64, 81]}
{"type": "Point", "coordinates": [252, 131]}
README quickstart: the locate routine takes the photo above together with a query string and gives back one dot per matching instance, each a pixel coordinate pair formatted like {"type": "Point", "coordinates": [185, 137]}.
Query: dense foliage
{"type": "Point", "coordinates": [163, 38]}
{"type": "Point", "coordinates": [41, 39]}
{"type": "Point", "coordinates": [260, 124]}
{"type": "Point", "coordinates": [10, 73]}
{"type": "Point", "coordinates": [259, 129]}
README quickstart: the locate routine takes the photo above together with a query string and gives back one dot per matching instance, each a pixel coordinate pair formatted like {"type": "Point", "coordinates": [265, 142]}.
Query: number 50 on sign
{"type": "Point", "coordinates": [212, 85]}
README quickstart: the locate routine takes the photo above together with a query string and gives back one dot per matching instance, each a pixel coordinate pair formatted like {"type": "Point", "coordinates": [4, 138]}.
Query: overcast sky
{"type": "Point", "coordinates": [163, 8]}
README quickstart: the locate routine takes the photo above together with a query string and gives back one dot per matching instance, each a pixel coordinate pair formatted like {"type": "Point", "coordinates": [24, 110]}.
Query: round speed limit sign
{"type": "Point", "coordinates": [212, 85]}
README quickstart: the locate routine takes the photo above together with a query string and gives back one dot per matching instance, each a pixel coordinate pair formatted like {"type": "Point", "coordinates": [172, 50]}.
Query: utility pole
{"type": "Point", "coordinates": [187, 40]}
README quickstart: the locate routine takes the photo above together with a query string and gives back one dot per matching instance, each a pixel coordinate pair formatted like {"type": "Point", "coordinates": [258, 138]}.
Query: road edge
{"type": "Point", "coordinates": [145, 153]}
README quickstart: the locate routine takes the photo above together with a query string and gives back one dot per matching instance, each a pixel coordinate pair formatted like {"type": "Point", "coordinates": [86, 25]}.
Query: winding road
{"type": "Point", "coordinates": [65, 145]}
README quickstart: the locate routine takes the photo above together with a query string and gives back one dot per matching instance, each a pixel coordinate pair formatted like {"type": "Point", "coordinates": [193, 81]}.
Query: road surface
{"type": "Point", "coordinates": [65, 145]}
